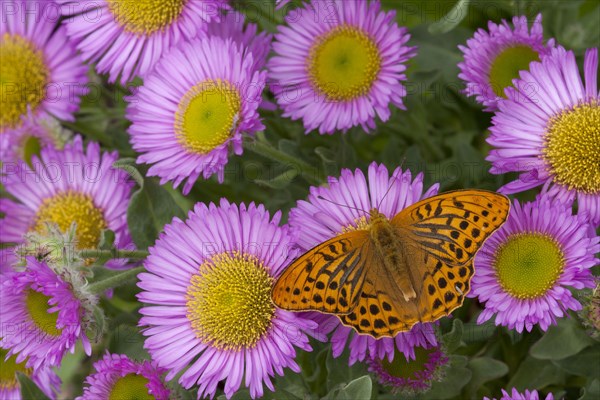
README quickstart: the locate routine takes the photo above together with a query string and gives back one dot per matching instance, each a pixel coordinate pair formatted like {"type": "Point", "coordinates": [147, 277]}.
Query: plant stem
{"type": "Point", "coordinates": [311, 174]}
{"type": "Point", "coordinates": [123, 253]}
{"type": "Point", "coordinates": [119, 278]}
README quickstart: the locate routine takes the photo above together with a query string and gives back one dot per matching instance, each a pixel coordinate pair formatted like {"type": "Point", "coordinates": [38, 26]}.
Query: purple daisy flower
{"type": "Point", "coordinates": [42, 74]}
{"type": "Point", "coordinates": [233, 26]}
{"type": "Point", "coordinates": [193, 108]}
{"type": "Point", "coordinates": [126, 38]}
{"type": "Point", "coordinates": [525, 270]}
{"type": "Point", "coordinates": [548, 130]}
{"type": "Point", "coordinates": [34, 134]}
{"type": "Point", "coordinates": [210, 316]}
{"type": "Point", "coordinates": [344, 205]}
{"type": "Point", "coordinates": [44, 377]}
{"type": "Point", "coordinates": [410, 377]}
{"type": "Point", "coordinates": [527, 395]}
{"type": "Point", "coordinates": [41, 317]}
{"type": "Point", "coordinates": [493, 59]}
{"type": "Point", "coordinates": [66, 186]}
{"type": "Point", "coordinates": [341, 72]}
{"type": "Point", "coordinates": [118, 377]}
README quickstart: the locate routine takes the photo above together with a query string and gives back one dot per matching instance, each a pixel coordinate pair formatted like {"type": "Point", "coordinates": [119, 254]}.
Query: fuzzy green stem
{"type": "Point", "coordinates": [309, 173]}
{"type": "Point", "coordinates": [118, 278]}
{"type": "Point", "coordinates": [97, 253]}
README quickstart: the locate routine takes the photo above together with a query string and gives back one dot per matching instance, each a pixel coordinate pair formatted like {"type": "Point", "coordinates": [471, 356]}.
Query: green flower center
{"type": "Point", "coordinates": [229, 301]}
{"type": "Point", "coordinates": [401, 368]}
{"type": "Point", "coordinates": [37, 306]}
{"type": "Point", "coordinates": [207, 115]}
{"type": "Point", "coordinates": [344, 63]}
{"type": "Point", "coordinates": [131, 387]}
{"type": "Point", "coordinates": [9, 369]}
{"type": "Point", "coordinates": [147, 16]}
{"type": "Point", "coordinates": [528, 264]}
{"type": "Point", "coordinates": [23, 78]}
{"type": "Point", "coordinates": [65, 208]}
{"type": "Point", "coordinates": [572, 147]}
{"type": "Point", "coordinates": [507, 64]}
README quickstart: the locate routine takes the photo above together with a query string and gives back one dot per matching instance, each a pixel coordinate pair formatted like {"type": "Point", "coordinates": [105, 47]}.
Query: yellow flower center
{"type": "Point", "coordinates": [572, 147]}
{"type": "Point", "coordinates": [9, 369]}
{"type": "Point", "coordinates": [147, 16]}
{"type": "Point", "coordinates": [344, 63]}
{"type": "Point", "coordinates": [528, 264]}
{"type": "Point", "coordinates": [507, 64]}
{"type": "Point", "coordinates": [359, 224]}
{"type": "Point", "coordinates": [23, 79]}
{"type": "Point", "coordinates": [207, 115]}
{"type": "Point", "coordinates": [65, 208]}
{"type": "Point", "coordinates": [229, 301]}
{"type": "Point", "coordinates": [37, 306]}
{"type": "Point", "coordinates": [131, 387]}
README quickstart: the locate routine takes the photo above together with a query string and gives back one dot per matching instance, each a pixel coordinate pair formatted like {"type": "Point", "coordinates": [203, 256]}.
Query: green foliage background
{"type": "Point", "coordinates": [442, 133]}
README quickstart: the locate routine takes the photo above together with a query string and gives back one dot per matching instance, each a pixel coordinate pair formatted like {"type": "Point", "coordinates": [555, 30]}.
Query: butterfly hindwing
{"type": "Point", "coordinates": [328, 278]}
{"type": "Point", "coordinates": [377, 315]}
{"type": "Point", "coordinates": [444, 287]}
{"type": "Point", "coordinates": [453, 226]}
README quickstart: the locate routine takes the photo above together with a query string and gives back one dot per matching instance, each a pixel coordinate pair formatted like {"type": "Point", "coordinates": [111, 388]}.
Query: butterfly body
{"type": "Point", "coordinates": [389, 249]}
{"type": "Point", "coordinates": [384, 277]}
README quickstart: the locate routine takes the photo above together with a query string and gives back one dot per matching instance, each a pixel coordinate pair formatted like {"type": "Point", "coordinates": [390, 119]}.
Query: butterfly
{"type": "Point", "coordinates": [414, 267]}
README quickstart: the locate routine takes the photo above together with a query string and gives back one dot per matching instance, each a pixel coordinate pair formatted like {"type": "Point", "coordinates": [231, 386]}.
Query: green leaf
{"type": "Point", "coordinates": [107, 240]}
{"type": "Point", "coordinates": [128, 340]}
{"type": "Point", "coordinates": [585, 363]}
{"type": "Point", "coordinates": [128, 165]}
{"type": "Point", "coordinates": [314, 369]}
{"type": "Point", "coordinates": [338, 371]}
{"type": "Point", "coordinates": [99, 324]}
{"type": "Point", "coordinates": [457, 376]}
{"type": "Point", "coordinates": [288, 146]}
{"type": "Point", "coordinates": [561, 341]}
{"type": "Point", "coordinates": [280, 181]}
{"type": "Point", "coordinates": [359, 388]}
{"type": "Point", "coordinates": [452, 19]}
{"type": "Point", "coordinates": [244, 394]}
{"type": "Point", "coordinates": [71, 365]}
{"type": "Point", "coordinates": [484, 369]}
{"type": "Point", "coordinates": [536, 374]}
{"type": "Point", "coordinates": [150, 209]}
{"type": "Point", "coordinates": [327, 155]}
{"type": "Point", "coordinates": [29, 390]}
{"type": "Point", "coordinates": [453, 339]}
{"type": "Point", "coordinates": [591, 391]}
{"type": "Point", "coordinates": [474, 332]}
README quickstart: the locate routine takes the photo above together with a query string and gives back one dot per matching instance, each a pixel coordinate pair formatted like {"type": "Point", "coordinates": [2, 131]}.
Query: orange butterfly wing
{"type": "Point", "coordinates": [327, 278]}
{"type": "Point", "coordinates": [437, 237]}
{"type": "Point", "coordinates": [439, 261]}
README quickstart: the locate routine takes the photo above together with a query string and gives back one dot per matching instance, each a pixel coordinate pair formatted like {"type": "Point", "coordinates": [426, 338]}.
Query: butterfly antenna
{"type": "Point", "coordinates": [394, 177]}
{"type": "Point", "coordinates": [341, 205]}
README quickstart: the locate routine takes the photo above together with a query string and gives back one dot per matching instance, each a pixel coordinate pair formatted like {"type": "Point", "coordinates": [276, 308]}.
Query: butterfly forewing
{"type": "Point", "coordinates": [453, 226]}
{"type": "Point", "coordinates": [328, 278]}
